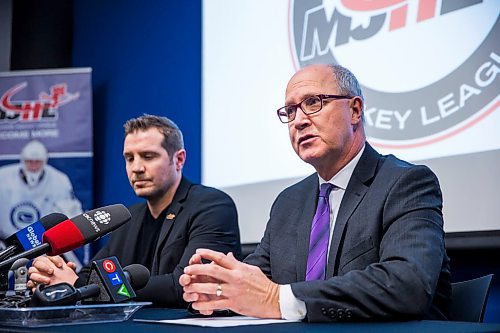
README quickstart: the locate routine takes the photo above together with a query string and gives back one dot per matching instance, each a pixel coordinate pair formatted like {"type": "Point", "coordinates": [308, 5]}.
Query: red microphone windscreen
{"type": "Point", "coordinates": [63, 237]}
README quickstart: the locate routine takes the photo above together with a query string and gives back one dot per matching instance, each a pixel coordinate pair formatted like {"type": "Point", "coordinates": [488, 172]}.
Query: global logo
{"type": "Point", "coordinates": [102, 217]}
{"type": "Point", "coordinates": [428, 68]}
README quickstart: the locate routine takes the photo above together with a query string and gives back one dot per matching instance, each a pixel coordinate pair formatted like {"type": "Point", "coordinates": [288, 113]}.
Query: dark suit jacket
{"type": "Point", "coordinates": [387, 258]}
{"type": "Point", "coordinates": [204, 218]}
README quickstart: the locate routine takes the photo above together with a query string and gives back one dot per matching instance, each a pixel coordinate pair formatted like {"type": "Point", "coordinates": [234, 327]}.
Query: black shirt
{"type": "Point", "coordinates": [148, 234]}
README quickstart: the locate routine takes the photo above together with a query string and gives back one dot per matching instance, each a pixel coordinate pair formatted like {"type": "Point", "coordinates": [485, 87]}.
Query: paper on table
{"type": "Point", "coordinates": [219, 321]}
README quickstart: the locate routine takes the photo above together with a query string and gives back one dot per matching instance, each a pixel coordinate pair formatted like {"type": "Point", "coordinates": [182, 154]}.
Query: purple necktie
{"type": "Point", "coordinates": [320, 234]}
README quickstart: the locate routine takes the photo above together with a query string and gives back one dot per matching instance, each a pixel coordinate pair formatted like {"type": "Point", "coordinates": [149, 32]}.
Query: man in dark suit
{"type": "Point", "coordinates": [177, 218]}
{"type": "Point", "coordinates": [361, 239]}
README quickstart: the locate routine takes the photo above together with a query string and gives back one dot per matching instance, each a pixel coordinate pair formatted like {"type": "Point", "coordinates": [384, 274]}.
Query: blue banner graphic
{"type": "Point", "coordinates": [46, 148]}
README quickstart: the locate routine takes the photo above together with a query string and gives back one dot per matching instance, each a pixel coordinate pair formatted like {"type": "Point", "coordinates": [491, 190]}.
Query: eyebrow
{"type": "Point", "coordinates": [303, 98]}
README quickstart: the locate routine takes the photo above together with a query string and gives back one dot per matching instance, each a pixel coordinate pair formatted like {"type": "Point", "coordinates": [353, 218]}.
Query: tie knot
{"type": "Point", "coordinates": [325, 189]}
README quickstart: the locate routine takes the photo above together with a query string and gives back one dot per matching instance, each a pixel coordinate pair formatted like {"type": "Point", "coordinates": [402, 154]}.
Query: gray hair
{"type": "Point", "coordinates": [172, 135]}
{"type": "Point", "coordinates": [347, 82]}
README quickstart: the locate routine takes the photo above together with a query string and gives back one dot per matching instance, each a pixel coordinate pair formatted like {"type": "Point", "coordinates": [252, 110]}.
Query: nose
{"type": "Point", "coordinates": [137, 166]}
{"type": "Point", "coordinates": [301, 120]}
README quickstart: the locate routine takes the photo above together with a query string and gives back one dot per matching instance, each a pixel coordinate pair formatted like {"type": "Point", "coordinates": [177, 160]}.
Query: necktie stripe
{"type": "Point", "coordinates": [315, 263]}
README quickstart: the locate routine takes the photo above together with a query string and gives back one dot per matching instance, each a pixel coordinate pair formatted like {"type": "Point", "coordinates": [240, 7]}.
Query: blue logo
{"type": "Point", "coordinates": [114, 278]}
{"type": "Point", "coordinates": [31, 236]}
{"type": "Point", "coordinates": [24, 214]}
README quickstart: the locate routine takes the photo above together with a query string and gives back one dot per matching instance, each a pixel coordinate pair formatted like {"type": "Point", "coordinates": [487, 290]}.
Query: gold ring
{"type": "Point", "coordinates": [218, 292]}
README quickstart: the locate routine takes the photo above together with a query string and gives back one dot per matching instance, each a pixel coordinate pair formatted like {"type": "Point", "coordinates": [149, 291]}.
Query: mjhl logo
{"type": "Point", "coordinates": [321, 32]}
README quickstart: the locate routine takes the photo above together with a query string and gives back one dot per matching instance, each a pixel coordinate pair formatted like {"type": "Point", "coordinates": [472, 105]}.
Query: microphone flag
{"type": "Point", "coordinates": [109, 276]}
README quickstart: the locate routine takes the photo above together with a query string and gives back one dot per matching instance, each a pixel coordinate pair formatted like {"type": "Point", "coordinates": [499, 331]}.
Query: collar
{"type": "Point", "coordinates": [341, 178]}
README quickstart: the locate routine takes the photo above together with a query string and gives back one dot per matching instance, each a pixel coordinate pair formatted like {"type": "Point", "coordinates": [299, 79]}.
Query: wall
{"type": "Point", "coordinates": [145, 59]}
{"type": "Point", "coordinates": [5, 33]}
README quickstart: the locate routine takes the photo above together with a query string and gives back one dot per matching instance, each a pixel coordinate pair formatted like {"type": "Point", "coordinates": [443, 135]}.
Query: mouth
{"type": "Point", "coordinates": [139, 182]}
{"type": "Point", "coordinates": [306, 138]}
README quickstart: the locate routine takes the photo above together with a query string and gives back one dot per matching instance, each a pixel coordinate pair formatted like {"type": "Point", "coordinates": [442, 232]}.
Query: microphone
{"type": "Point", "coordinates": [112, 281]}
{"type": "Point", "coordinates": [65, 294]}
{"type": "Point", "coordinates": [20, 272]}
{"type": "Point", "coordinates": [30, 236]}
{"type": "Point", "coordinates": [61, 294]}
{"type": "Point", "coordinates": [75, 232]}
{"type": "Point", "coordinates": [138, 275]}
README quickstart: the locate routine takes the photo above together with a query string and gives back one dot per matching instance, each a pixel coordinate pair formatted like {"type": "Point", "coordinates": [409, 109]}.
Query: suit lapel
{"type": "Point", "coordinates": [308, 199]}
{"type": "Point", "coordinates": [355, 191]}
{"type": "Point", "coordinates": [173, 210]}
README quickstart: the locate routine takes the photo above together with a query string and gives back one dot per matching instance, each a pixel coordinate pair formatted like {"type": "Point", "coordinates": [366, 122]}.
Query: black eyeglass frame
{"type": "Point", "coordinates": [299, 105]}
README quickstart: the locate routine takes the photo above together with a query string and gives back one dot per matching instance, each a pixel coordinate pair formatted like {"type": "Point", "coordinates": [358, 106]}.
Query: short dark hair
{"type": "Point", "coordinates": [172, 135]}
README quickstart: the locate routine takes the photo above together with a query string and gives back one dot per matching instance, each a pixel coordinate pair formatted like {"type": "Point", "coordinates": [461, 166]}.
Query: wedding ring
{"type": "Point", "coordinates": [218, 292]}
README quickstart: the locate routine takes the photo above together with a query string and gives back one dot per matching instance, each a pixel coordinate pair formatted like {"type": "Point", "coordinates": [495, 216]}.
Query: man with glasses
{"type": "Point", "coordinates": [361, 239]}
{"type": "Point", "coordinates": [176, 218]}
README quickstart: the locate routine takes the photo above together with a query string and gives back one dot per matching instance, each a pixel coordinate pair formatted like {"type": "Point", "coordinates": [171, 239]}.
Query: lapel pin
{"type": "Point", "coordinates": [170, 216]}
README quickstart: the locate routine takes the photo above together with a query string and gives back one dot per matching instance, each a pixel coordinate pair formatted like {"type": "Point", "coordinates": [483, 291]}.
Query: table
{"type": "Point", "coordinates": [156, 313]}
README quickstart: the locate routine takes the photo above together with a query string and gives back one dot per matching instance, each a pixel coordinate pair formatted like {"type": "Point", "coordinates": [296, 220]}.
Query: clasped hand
{"type": "Point", "coordinates": [51, 270]}
{"type": "Point", "coordinates": [227, 283]}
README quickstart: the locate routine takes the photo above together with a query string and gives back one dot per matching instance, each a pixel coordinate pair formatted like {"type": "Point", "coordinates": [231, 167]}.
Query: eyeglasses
{"type": "Point", "coordinates": [310, 105]}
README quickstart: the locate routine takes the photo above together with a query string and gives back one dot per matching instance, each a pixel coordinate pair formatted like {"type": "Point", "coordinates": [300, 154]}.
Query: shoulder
{"type": "Point", "coordinates": [396, 168]}
{"type": "Point", "coordinates": [56, 174]}
{"type": "Point", "coordinates": [10, 169]}
{"type": "Point", "coordinates": [206, 194]}
{"type": "Point", "coordinates": [298, 189]}
{"type": "Point", "coordinates": [402, 183]}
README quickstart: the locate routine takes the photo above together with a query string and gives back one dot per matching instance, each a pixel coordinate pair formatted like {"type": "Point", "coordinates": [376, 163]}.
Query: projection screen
{"type": "Point", "coordinates": [429, 75]}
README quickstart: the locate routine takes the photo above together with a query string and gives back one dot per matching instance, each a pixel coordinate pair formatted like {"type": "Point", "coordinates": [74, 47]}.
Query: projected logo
{"type": "Point", "coordinates": [428, 68]}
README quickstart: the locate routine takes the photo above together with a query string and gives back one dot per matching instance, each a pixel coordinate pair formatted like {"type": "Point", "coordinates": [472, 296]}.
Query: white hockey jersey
{"type": "Point", "coordinates": [21, 205]}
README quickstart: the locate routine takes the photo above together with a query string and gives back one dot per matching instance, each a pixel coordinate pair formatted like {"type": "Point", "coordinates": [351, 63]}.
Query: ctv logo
{"type": "Point", "coordinates": [428, 68]}
{"type": "Point", "coordinates": [45, 108]}
{"type": "Point", "coordinates": [109, 266]}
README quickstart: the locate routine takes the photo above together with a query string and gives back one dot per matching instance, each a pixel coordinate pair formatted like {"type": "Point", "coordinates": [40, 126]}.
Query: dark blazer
{"type": "Point", "coordinates": [204, 218]}
{"type": "Point", "coordinates": [387, 258]}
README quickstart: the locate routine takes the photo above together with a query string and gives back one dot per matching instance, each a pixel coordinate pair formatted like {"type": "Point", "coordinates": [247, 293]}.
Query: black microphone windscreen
{"type": "Point", "coordinates": [138, 275]}
{"type": "Point", "coordinates": [85, 228]}
{"type": "Point", "coordinates": [98, 222]}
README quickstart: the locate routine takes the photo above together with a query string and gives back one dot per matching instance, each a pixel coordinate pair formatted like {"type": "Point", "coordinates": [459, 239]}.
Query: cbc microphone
{"type": "Point", "coordinates": [30, 236]}
{"type": "Point", "coordinates": [75, 232]}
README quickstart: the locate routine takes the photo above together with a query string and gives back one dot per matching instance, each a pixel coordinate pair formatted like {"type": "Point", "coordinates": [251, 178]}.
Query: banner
{"type": "Point", "coordinates": [429, 71]}
{"type": "Point", "coordinates": [45, 148]}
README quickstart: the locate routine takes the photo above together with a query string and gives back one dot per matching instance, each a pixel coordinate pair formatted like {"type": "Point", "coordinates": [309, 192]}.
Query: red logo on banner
{"type": "Point", "coordinates": [35, 110]}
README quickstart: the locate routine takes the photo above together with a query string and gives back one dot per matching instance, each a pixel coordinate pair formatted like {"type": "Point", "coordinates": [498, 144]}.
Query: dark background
{"type": "Point", "coordinates": [146, 58]}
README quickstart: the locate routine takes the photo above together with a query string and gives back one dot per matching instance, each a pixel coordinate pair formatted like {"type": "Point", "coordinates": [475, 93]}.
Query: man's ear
{"type": "Point", "coordinates": [356, 105]}
{"type": "Point", "coordinates": [179, 159]}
